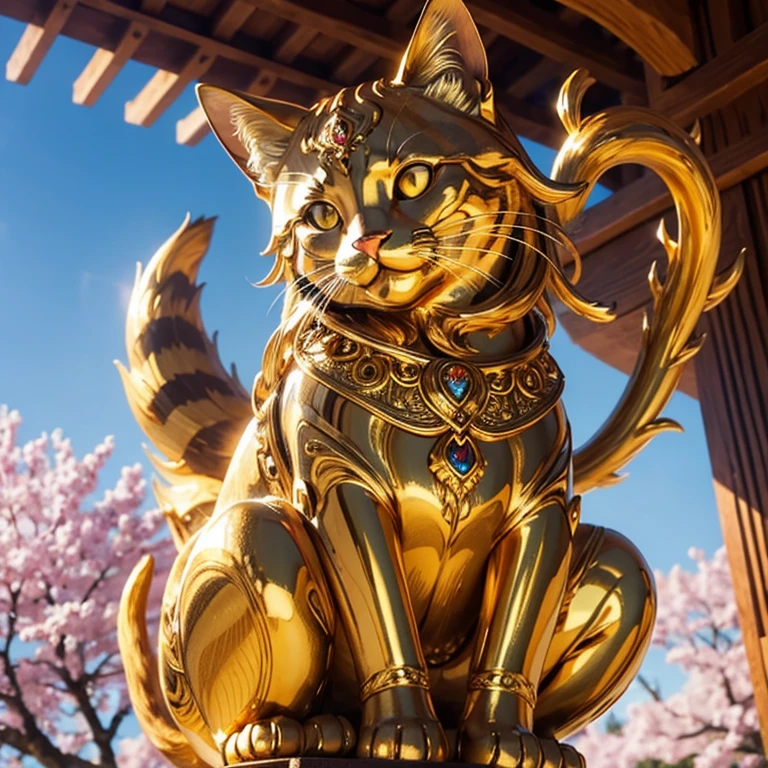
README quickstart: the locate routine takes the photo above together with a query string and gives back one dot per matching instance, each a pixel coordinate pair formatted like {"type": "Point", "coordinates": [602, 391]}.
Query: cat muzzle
{"type": "Point", "coordinates": [358, 268]}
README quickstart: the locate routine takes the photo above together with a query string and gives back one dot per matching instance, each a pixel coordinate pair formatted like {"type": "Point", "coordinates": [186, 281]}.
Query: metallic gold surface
{"type": "Point", "coordinates": [395, 552]}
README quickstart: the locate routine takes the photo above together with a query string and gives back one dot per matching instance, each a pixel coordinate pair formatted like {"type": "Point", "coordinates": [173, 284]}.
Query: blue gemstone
{"type": "Point", "coordinates": [457, 381]}
{"type": "Point", "coordinates": [461, 457]}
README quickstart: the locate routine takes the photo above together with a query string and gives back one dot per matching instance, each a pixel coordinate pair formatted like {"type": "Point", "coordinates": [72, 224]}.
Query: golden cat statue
{"type": "Point", "coordinates": [380, 550]}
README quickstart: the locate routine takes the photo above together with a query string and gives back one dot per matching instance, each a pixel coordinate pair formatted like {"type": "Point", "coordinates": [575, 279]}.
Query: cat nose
{"type": "Point", "coordinates": [370, 243]}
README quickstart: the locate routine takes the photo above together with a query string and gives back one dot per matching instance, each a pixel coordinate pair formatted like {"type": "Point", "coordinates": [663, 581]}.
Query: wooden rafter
{"type": "Point", "coordinates": [530, 81]}
{"type": "Point", "coordinates": [554, 38]}
{"type": "Point", "coordinates": [719, 81]}
{"type": "Point", "coordinates": [228, 41]}
{"type": "Point", "coordinates": [164, 88]}
{"type": "Point", "coordinates": [302, 76]}
{"type": "Point", "coordinates": [230, 17]}
{"type": "Point", "coordinates": [648, 197]}
{"type": "Point", "coordinates": [105, 65]}
{"type": "Point", "coordinates": [191, 129]}
{"type": "Point", "coordinates": [35, 43]}
{"type": "Point", "coordinates": [659, 30]}
{"type": "Point", "coordinates": [359, 60]}
{"type": "Point", "coordinates": [347, 22]}
{"type": "Point", "coordinates": [525, 24]}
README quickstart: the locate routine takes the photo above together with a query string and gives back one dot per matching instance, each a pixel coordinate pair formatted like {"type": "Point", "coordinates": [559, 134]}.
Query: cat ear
{"type": "Point", "coordinates": [446, 58]}
{"type": "Point", "coordinates": [255, 131]}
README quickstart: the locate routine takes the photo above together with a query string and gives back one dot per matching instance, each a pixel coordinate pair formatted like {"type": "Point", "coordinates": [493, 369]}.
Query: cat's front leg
{"type": "Point", "coordinates": [523, 593]}
{"type": "Point", "coordinates": [362, 557]}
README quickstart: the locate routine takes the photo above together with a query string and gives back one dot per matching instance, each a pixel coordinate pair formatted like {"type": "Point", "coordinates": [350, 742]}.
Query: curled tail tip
{"type": "Point", "coordinates": [141, 670]}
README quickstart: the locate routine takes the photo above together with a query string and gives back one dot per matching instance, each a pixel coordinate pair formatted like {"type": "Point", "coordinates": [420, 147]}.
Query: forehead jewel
{"type": "Point", "coordinates": [340, 130]}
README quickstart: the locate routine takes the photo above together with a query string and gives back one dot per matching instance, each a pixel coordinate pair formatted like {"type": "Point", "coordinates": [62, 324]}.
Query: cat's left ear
{"type": "Point", "coordinates": [255, 131]}
{"type": "Point", "coordinates": [446, 58]}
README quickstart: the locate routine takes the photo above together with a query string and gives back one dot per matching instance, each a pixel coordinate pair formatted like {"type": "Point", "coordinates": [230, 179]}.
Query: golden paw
{"type": "Point", "coordinates": [328, 735]}
{"type": "Point", "coordinates": [513, 747]}
{"type": "Point", "coordinates": [403, 738]}
{"type": "Point", "coordinates": [284, 737]}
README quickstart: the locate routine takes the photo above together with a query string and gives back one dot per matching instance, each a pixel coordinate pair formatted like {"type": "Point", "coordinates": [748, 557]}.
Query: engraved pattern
{"type": "Point", "coordinates": [392, 678]}
{"type": "Point", "coordinates": [454, 488]}
{"type": "Point", "coordinates": [368, 377]}
{"type": "Point", "coordinates": [398, 386]}
{"type": "Point", "coordinates": [508, 682]}
{"type": "Point", "coordinates": [516, 395]}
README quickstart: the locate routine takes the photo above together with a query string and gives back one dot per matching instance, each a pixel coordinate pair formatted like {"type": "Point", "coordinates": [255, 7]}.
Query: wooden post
{"type": "Point", "coordinates": [732, 368]}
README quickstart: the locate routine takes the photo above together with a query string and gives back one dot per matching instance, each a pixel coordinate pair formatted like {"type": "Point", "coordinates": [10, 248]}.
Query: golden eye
{"type": "Point", "coordinates": [414, 180]}
{"type": "Point", "coordinates": [322, 216]}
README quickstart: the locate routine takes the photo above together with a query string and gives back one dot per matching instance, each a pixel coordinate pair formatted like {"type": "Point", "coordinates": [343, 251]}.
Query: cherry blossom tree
{"type": "Point", "coordinates": [63, 562]}
{"type": "Point", "coordinates": [712, 721]}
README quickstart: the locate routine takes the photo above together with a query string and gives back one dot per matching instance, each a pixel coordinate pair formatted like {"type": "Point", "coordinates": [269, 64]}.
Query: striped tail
{"type": "Point", "coordinates": [191, 408]}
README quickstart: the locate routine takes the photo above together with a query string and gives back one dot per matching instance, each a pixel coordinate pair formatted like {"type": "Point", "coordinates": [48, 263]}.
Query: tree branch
{"type": "Point", "coordinates": [653, 691]}
{"type": "Point", "coordinates": [31, 741]}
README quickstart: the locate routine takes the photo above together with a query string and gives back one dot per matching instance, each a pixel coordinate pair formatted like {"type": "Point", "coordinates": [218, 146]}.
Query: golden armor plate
{"type": "Point", "coordinates": [380, 550]}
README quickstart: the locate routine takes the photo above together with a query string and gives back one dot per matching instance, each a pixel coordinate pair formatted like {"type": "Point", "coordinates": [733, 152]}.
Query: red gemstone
{"type": "Point", "coordinates": [339, 133]}
{"type": "Point", "coordinates": [457, 372]}
{"type": "Point", "coordinates": [457, 379]}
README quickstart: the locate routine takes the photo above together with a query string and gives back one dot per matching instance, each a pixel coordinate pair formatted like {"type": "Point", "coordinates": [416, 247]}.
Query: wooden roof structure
{"type": "Point", "coordinates": [301, 49]}
{"type": "Point", "coordinates": [690, 59]}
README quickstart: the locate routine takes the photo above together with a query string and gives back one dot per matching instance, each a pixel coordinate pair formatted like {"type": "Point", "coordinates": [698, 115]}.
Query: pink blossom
{"type": "Point", "coordinates": [139, 753]}
{"type": "Point", "coordinates": [65, 561]}
{"type": "Point", "coordinates": [713, 717]}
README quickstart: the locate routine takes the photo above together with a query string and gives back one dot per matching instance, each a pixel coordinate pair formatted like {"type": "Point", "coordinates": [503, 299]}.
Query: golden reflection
{"type": "Point", "coordinates": [381, 546]}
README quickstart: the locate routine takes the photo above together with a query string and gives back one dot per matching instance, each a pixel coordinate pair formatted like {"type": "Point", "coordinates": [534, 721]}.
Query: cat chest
{"type": "Point", "coordinates": [439, 482]}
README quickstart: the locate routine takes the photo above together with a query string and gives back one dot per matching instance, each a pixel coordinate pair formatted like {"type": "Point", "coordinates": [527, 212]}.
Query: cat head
{"type": "Point", "coordinates": [403, 195]}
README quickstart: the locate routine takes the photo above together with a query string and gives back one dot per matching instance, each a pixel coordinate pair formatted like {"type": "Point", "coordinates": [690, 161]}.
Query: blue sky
{"type": "Point", "coordinates": [84, 196]}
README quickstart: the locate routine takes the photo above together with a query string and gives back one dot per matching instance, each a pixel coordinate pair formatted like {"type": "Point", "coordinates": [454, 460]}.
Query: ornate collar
{"type": "Point", "coordinates": [430, 396]}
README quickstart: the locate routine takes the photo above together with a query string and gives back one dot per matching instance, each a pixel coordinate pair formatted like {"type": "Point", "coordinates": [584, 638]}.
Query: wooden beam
{"type": "Point", "coordinates": [346, 22]}
{"type": "Point", "coordinates": [163, 89]}
{"type": "Point", "coordinates": [660, 31]}
{"type": "Point", "coordinates": [35, 43]}
{"type": "Point", "coordinates": [105, 65]}
{"type": "Point", "coordinates": [359, 60]}
{"type": "Point", "coordinates": [193, 128]}
{"type": "Point", "coordinates": [526, 24]}
{"type": "Point", "coordinates": [718, 82]}
{"type": "Point", "coordinates": [648, 197]}
{"type": "Point", "coordinates": [301, 76]}
{"type": "Point", "coordinates": [532, 79]}
{"type": "Point", "coordinates": [552, 37]}
{"type": "Point", "coordinates": [230, 18]}
{"type": "Point", "coordinates": [731, 372]}
{"type": "Point", "coordinates": [292, 44]}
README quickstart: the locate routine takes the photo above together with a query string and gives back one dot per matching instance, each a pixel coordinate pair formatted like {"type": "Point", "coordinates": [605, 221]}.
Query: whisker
{"type": "Point", "coordinates": [318, 299]}
{"type": "Point", "coordinates": [482, 273]}
{"type": "Point", "coordinates": [439, 227]}
{"type": "Point", "coordinates": [293, 282]}
{"type": "Point", "coordinates": [541, 253]}
{"type": "Point", "coordinates": [565, 243]}
{"type": "Point", "coordinates": [494, 230]}
{"type": "Point", "coordinates": [335, 286]}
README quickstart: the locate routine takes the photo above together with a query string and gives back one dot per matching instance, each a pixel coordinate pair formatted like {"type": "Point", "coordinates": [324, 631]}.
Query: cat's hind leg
{"type": "Point", "coordinates": [602, 634]}
{"type": "Point", "coordinates": [253, 631]}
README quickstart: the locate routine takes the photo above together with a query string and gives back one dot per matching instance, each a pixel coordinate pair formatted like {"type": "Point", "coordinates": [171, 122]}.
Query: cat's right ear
{"type": "Point", "coordinates": [255, 131]}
